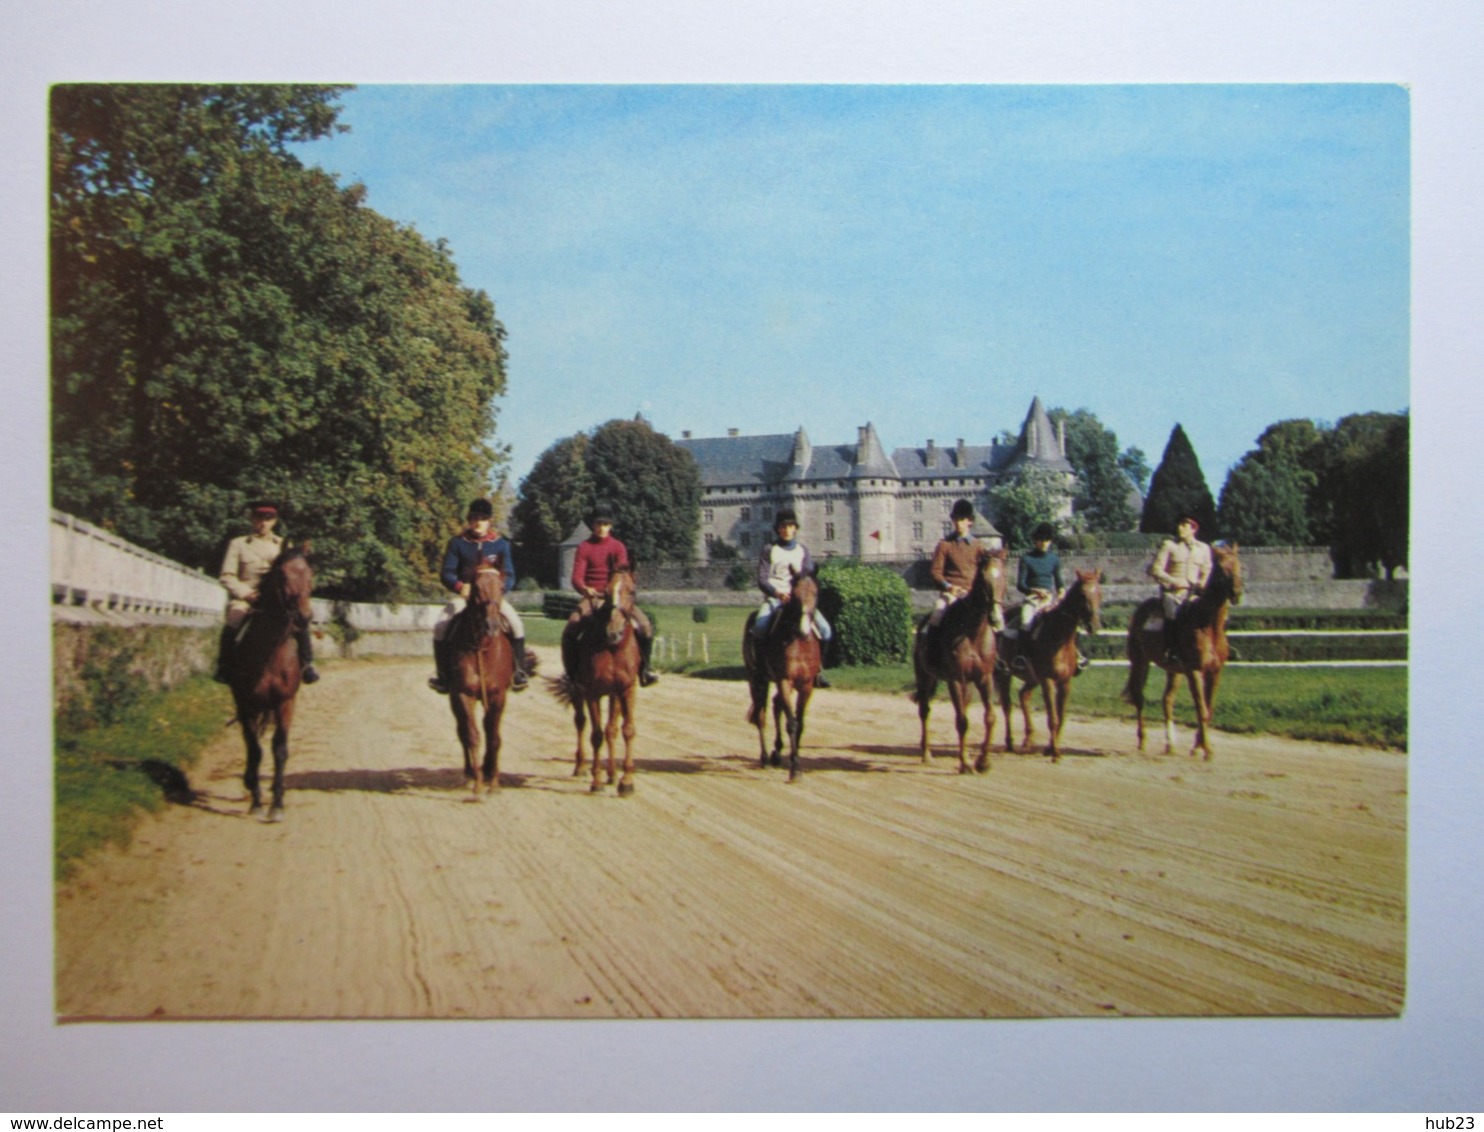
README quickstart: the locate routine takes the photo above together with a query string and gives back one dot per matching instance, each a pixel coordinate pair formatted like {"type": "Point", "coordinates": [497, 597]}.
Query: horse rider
{"type": "Point", "coordinates": [1182, 566]}
{"type": "Point", "coordinates": [955, 564]}
{"type": "Point", "coordinates": [479, 541]}
{"type": "Point", "coordinates": [248, 558]}
{"type": "Point", "coordinates": [779, 561]}
{"type": "Point", "coordinates": [597, 557]}
{"type": "Point", "coordinates": [1038, 577]}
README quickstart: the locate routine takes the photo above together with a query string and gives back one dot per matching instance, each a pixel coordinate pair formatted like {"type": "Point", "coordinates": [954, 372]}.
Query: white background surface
{"type": "Point", "coordinates": [1428, 1061]}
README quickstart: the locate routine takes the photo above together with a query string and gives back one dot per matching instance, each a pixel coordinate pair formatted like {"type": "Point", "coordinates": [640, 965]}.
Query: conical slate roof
{"type": "Point", "coordinates": [870, 458]}
{"type": "Point", "coordinates": [1039, 441]}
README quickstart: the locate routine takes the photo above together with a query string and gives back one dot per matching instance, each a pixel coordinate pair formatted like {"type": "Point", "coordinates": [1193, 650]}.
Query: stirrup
{"type": "Point", "coordinates": [519, 681]}
{"type": "Point", "coordinates": [437, 684]}
{"type": "Point", "coordinates": [647, 677]}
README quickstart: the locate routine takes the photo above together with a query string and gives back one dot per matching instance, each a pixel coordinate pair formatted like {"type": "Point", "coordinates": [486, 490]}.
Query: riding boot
{"type": "Point", "coordinates": [223, 654]}
{"type": "Point", "coordinates": [1170, 659]}
{"type": "Point", "coordinates": [521, 678]}
{"type": "Point", "coordinates": [820, 681]}
{"type": "Point", "coordinates": [439, 683]}
{"type": "Point", "coordinates": [647, 675]}
{"type": "Point", "coordinates": [307, 674]}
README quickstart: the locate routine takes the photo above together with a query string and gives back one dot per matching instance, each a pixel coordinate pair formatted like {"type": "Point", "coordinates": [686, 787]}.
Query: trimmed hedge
{"type": "Point", "coordinates": [870, 608]}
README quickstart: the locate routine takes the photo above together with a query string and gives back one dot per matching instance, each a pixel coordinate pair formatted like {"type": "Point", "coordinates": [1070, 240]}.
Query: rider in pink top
{"type": "Point", "coordinates": [597, 557]}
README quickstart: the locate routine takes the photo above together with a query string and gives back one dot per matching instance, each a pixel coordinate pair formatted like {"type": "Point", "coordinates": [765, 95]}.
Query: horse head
{"type": "Point", "coordinates": [1227, 564]}
{"type": "Point", "coordinates": [289, 583]}
{"type": "Point", "coordinates": [1089, 607]}
{"type": "Point", "coordinates": [991, 579]}
{"type": "Point", "coordinates": [487, 586]}
{"type": "Point", "coordinates": [618, 602]}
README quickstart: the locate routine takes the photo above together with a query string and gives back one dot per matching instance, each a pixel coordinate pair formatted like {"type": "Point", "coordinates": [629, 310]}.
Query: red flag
{"type": "Point", "coordinates": [876, 535]}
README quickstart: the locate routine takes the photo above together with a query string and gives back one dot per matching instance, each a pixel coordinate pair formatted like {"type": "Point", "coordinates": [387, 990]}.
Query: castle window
{"type": "Point", "coordinates": [829, 532]}
{"type": "Point", "coordinates": [829, 506]}
{"type": "Point", "coordinates": [917, 507]}
{"type": "Point", "coordinates": [917, 530]}
{"type": "Point", "coordinates": [746, 516]}
{"type": "Point", "coordinates": [744, 539]}
{"type": "Point", "coordinates": [708, 516]}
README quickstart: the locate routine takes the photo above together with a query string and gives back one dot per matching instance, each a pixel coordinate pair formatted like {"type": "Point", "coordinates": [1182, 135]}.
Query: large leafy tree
{"type": "Point", "coordinates": [1103, 488]}
{"type": "Point", "coordinates": [652, 485]}
{"type": "Point", "coordinates": [1363, 489]}
{"type": "Point", "coordinates": [1178, 487]}
{"type": "Point", "coordinates": [1269, 496]}
{"type": "Point", "coordinates": [1033, 496]}
{"type": "Point", "coordinates": [227, 323]}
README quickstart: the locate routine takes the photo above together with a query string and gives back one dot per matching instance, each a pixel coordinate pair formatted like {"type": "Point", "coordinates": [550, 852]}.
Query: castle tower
{"type": "Point", "coordinates": [874, 483]}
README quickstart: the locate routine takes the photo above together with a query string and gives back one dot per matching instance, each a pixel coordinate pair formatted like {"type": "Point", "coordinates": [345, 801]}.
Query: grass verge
{"type": "Point", "coordinates": [107, 776]}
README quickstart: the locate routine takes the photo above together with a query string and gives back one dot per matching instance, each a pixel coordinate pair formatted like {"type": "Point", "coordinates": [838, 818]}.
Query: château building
{"type": "Point", "coordinates": [854, 499]}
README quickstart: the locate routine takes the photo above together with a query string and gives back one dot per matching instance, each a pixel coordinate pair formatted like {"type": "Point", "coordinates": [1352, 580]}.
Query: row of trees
{"type": "Point", "coordinates": [1305, 484]}
{"type": "Point", "coordinates": [229, 323]}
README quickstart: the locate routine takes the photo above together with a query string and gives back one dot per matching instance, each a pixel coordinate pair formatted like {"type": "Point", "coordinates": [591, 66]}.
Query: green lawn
{"type": "Point", "coordinates": [1338, 705]}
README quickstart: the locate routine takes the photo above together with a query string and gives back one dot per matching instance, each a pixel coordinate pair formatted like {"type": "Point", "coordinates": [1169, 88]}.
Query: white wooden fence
{"type": "Point", "coordinates": [98, 572]}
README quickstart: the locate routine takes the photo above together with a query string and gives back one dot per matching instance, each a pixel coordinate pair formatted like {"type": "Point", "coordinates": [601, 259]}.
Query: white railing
{"type": "Point", "coordinates": [94, 569]}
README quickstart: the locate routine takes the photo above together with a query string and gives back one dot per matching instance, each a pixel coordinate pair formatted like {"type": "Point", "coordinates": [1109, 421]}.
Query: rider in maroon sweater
{"type": "Point", "coordinates": [597, 557]}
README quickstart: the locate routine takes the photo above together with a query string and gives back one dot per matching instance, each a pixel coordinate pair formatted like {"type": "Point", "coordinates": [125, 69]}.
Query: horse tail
{"type": "Point", "coordinates": [562, 688]}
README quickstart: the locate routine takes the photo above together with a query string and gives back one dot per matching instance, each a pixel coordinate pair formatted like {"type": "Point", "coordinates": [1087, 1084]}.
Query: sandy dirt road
{"type": "Point", "coordinates": [1269, 881]}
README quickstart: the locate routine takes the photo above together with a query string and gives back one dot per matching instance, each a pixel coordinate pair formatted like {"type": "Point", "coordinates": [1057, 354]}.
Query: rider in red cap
{"type": "Point", "coordinates": [248, 558]}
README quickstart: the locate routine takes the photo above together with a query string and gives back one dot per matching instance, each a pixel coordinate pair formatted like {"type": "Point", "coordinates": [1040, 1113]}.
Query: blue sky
{"type": "Point", "coordinates": [927, 258]}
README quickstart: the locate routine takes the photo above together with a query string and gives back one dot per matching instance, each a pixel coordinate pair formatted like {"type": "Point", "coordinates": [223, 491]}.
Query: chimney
{"type": "Point", "coordinates": [961, 456]}
{"type": "Point", "coordinates": [732, 432]}
{"type": "Point", "coordinates": [685, 435]}
{"type": "Point", "coordinates": [1061, 435]}
{"type": "Point", "coordinates": [931, 457]}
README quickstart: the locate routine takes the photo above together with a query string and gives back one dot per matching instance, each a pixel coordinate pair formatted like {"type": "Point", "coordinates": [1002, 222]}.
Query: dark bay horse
{"type": "Point", "coordinates": [961, 652]}
{"type": "Point", "coordinates": [605, 664]}
{"type": "Point", "coordinates": [482, 663]}
{"type": "Point", "coordinates": [788, 658]}
{"type": "Point", "coordinates": [1200, 652]}
{"type": "Point", "coordinates": [264, 668]}
{"type": "Point", "coordinates": [1046, 657]}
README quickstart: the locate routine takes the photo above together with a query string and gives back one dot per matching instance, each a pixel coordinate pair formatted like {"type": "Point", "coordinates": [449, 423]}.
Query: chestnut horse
{"type": "Point", "coordinates": [481, 664]}
{"type": "Point", "coordinates": [788, 658]}
{"type": "Point", "coordinates": [264, 668]}
{"type": "Point", "coordinates": [1200, 649]}
{"type": "Point", "coordinates": [605, 664]}
{"type": "Point", "coordinates": [1046, 656]}
{"type": "Point", "coordinates": [961, 652]}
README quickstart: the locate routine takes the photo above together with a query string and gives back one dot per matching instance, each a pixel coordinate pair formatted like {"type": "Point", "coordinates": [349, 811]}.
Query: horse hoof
{"type": "Point", "coordinates": [255, 808]}
{"type": "Point", "coordinates": [275, 814]}
{"type": "Point", "coordinates": [625, 789]}
{"type": "Point", "coordinates": [982, 766]}
{"type": "Point", "coordinates": [595, 788]}
{"type": "Point", "coordinates": [776, 760]}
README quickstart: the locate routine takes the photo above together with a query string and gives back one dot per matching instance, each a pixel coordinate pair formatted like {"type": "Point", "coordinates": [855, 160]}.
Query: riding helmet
{"type": "Point", "coordinates": [786, 515]}
{"type": "Point", "coordinates": [480, 509]}
{"type": "Point", "coordinates": [1044, 532]}
{"type": "Point", "coordinates": [963, 509]}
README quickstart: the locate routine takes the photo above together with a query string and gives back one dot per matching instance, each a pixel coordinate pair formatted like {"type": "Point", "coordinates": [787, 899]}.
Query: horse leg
{"type": "Point", "coordinates": [1053, 718]}
{"type": "Point", "coordinates": [283, 718]}
{"type": "Point", "coordinates": [1172, 682]}
{"type": "Point", "coordinates": [1028, 729]}
{"type": "Point", "coordinates": [250, 732]}
{"type": "Point", "coordinates": [492, 715]}
{"type": "Point", "coordinates": [1133, 692]}
{"type": "Point", "coordinates": [463, 713]}
{"type": "Point", "coordinates": [610, 736]}
{"type": "Point", "coordinates": [579, 720]}
{"type": "Point", "coordinates": [1002, 691]}
{"type": "Point", "coordinates": [758, 715]}
{"type": "Point", "coordinates": [982, 763]}
{"type": "Point", "coordinates": [780, 708]}
{"type": "Point", "coordinates": [958, 692]}
{"type": "Point", "coordinates": [1198, 694]}
{"type": "Point", "coordinates": [796, 726]}
{"type": "Point", "coordinates": [927, 688]}
{"type": "Point", "coordinates": [595, 720]}
{"type": "Point", "coordinates": [629, 703]}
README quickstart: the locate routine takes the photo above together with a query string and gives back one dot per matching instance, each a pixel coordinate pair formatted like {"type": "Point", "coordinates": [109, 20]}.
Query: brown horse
{"type": "Point", "coordinates": [961, 652]}
{"type": "Point", "coordinates": [264, 668]}
{"type": "Point", "coordinates": [1200, 649]}
{"type": "Point", "coordinates": [605, 664]}
{"type": "Point", "coordinates": [788, 658]}
{"type": "Point", "coordinates": [1046, 656]}
{"type": "Point", "coordinates": [482, 663]}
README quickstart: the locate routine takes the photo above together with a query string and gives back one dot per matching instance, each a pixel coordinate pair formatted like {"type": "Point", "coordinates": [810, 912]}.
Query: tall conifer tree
{"type": "Point", "coordinates": [1178, 488]}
